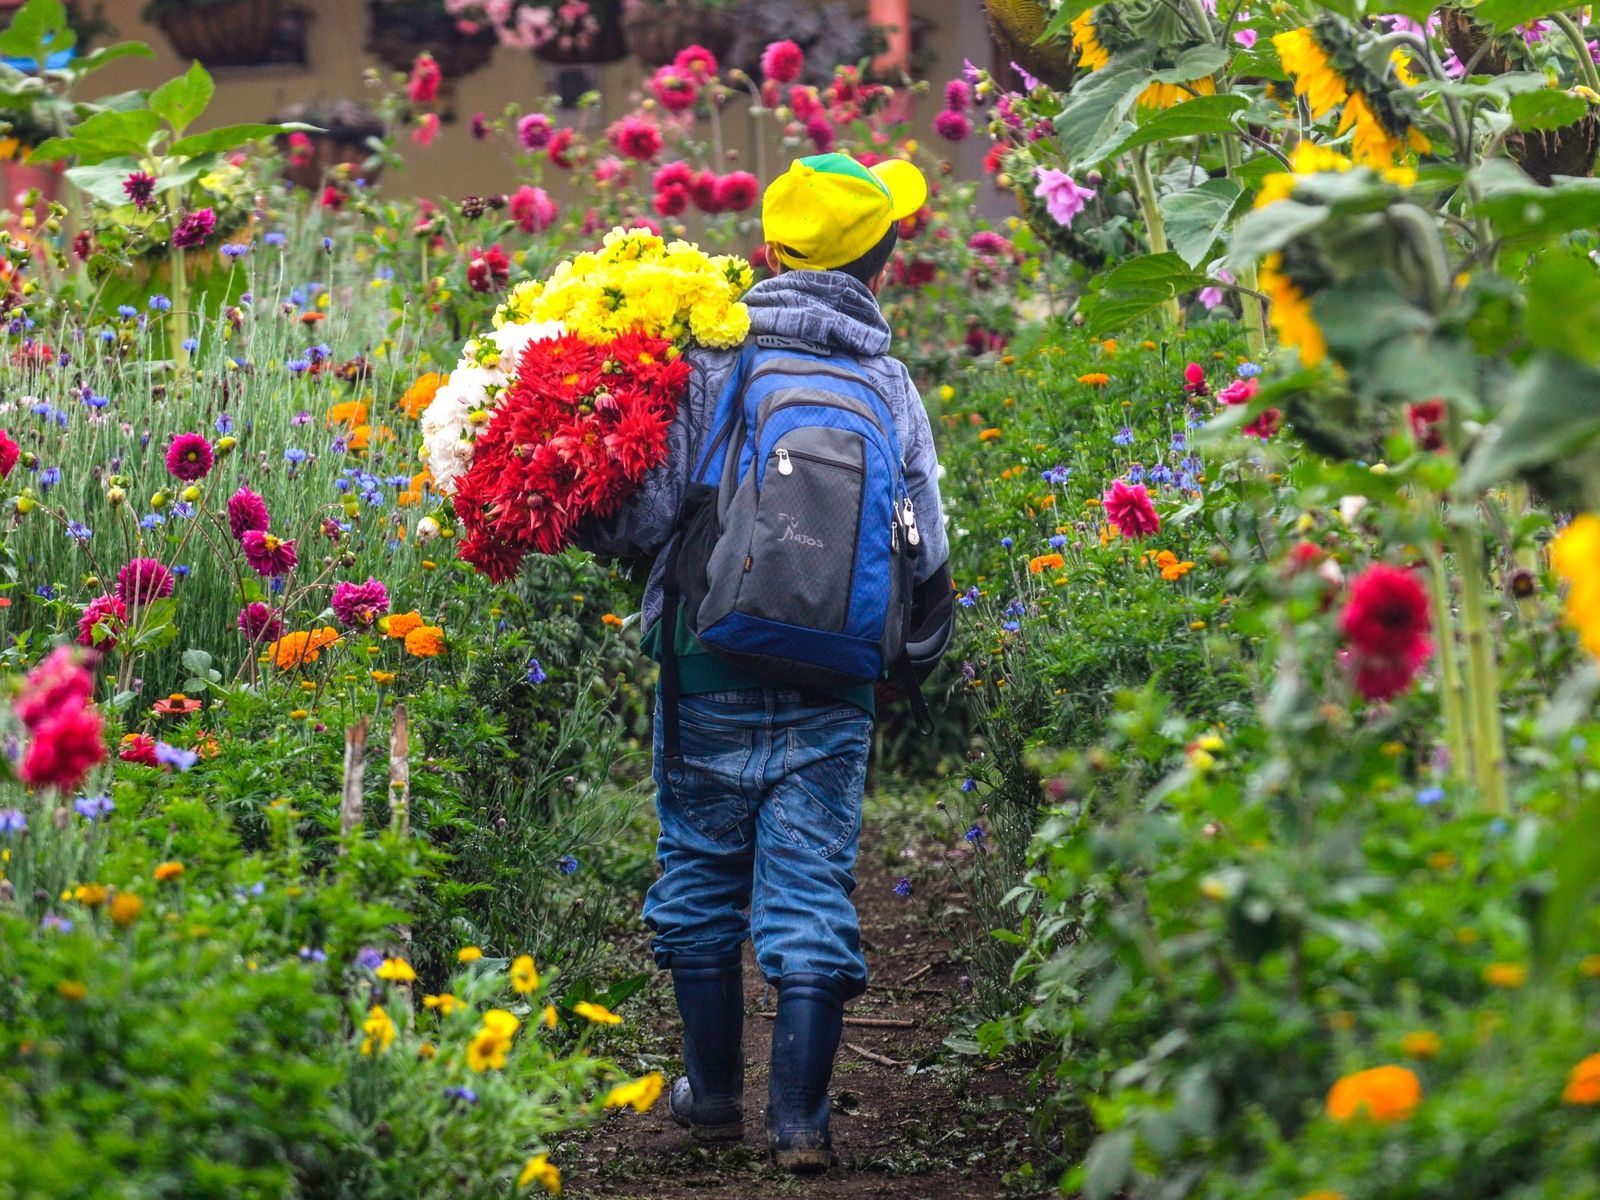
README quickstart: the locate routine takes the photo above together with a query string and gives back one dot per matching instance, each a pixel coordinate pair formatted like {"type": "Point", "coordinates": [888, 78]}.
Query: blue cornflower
{"type": "Point", "coordinates": [1161, 473]}
{"type": "Point", "coordinates": [49, 477]}
{"type": "Point", "coordinates": [1249, 370]}
{"type": "Point", "coordinates": [1056, 475]}
{"type": "Point", "coordinates": [190, 344]}
{"type": "Point", "coordinates": [1058, 541]}
{"type": "Point", "coordinates": [94, 401]}
{"type": "Point", "coordinates": [1006, 543]}
{"type": "Point", "coordinates": [294, 455]}
{"type": "Point", "coordinates": [1430, 796]}
{"type": "Point", "coordinates": [321, 351]}
{"type": "Point", "coordinates": [341, 485]}
{"type": "Point", "coordinates": [902, 886]}
{"type": "Point", "coordinates": [277, 585]}
{"type": "Point", "coordinates": [1016, 609]}
{"type": "Point", "coordinates": [174, 756]}
{"type": "Point", "coordinates": [464, 1094]}
{"type": "Point", "coordinates": [92, 808]}
{"type": "Point", "coordinates": [368, 959]}
{"type": "Point", "coordinates": [969, 784]}
{"type": "Point", "coordinates": [975, 835]}
{"type": "Point", "coordinates": [235, 249]}
{"type": "Point", "coordinates": [151, 520]}
{"type": "Point", "coordinates": [12, 820]}
{"type": "Point", "coordinates": [107, 335]}
{"type": "Point", "coordinates": [127, 312]}
{"type": "Point", "coordinates": [180, 570]}
{"type": "Point", "coordinates": [398, 481]}
{"type": "Point", "coordinates": [969, 597]}
{"type": "Point", "coordinates": [566, 864]}
{"type": "Point", "coordinates": [1136, 473]}
{"type": "Point", "coordinates": [327, 244]}
{"type": "Point", "coordinates": [1177, 442]}
{"type": "Point", "coordinates": [183, 509]}
{"type": "Point", "coordinates": [52, 921]}
{"type": "Point", "coordinates": [45, 592]}
{"type": "Point", "coordinates": [60, 416]}
{"type": "Point", "coordinates": [384, 273]}
{"type": "Point", "coordinates": [313, 954]}
{"type": "Point", "coordinates": [224, 423]}
{"type": "Point", "coordinates": [1123, 436]}
{"type": "Point", "coordinates": [339, 445]}
{"type": "Point", "coordinates": [299, 365]}
{"type": "Point", "coordinates": [275, 238]}
{"type": "Point", "coordinates": [536, 673]}
{"type": "Point", "coordinates": [1010, 626]}
{"type": "Point", "coordinates": [159, 303]}
{"type": "Point", "coordinates": [78, 531]}
{"type": "Point", "coordinates": [41, 409]}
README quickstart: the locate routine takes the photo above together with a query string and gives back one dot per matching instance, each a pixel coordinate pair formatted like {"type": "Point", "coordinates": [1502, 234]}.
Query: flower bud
{"type": "Point", "coordinates": [159, 500]}
{"type": "Point", "coordinates": [225, 445]}
{"type": "Point", "coordinates": [427, 530]}
{"type": "Point", "coordinates": [25, 504]}
{"type": "Point", "coordinates": [190, 493]}
{"type": "Point", "coordinates": [115, 496]}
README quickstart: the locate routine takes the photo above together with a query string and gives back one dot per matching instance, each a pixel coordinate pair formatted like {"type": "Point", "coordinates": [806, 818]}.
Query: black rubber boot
{"type": "Point", "coordinates": [707, 1101]}
{"type": "Point", "coordinates": [805, 1038]}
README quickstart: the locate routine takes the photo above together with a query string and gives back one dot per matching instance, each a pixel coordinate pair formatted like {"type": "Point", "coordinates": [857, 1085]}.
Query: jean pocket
{"type": "Point", "coordinates": [708, 789]}
{"type": "Point", "coordinates": [818, 802]}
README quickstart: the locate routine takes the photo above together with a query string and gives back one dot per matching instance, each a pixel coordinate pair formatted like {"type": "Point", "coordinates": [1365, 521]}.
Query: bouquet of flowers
{"type": "Point", "coordinates": [558, 414]}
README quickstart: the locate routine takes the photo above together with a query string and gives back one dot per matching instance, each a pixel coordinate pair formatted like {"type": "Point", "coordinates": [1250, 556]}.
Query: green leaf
{"type": "Point", "coordinates": [1193, 118]}
{"type": "Point", "coordinates": [1547, 109]}
{"type": "Point", "coordinates": [1271, 228]}
{"type": "Point", "coordinates": [1506, 15]}
{"type": "Point", "coordinates": [1194, 63]}
{"type": "Point", "coordinates": [1197, 217]}
{"type": "Point", "coordinates": [1069, 11]}
{"type": "Point", "coordinates": [1153, 270]}
{"type": "Point", "coordinates": [107, 55]}
{"type": "Point", "coordinates": [228, 137]}
{"type": "Point", "coordinates": [1526, 214]}
{"type": "Point", "coordinates": [1135, 288]}
{"type": "Point", "coordinates": [1564, 306]}
{"type": "Point", "coordinates": [155, 625]}
{"type": "Point", "coordinates": [1550, 412]}
{"type": "Point", "coordinates": [1577, 866]}
{"type": "Point", "coordinates": [102, 136]}
{"type": "Point", "coordinates": [1358, 315]}
{"type": "Point", "coordinates": [179, 101]}
{"type": "Point", "coordinates": [37, 31]}
{"type": "Point", "coordinates": [1108, 1164]}
{"type": "Point", "coordinates": [103, 181]}
{"type": "Point", "coordinates": [196, 662]}
{"type": "Point", "coordinates": [1418, 10]}
{"type": "Point", "coordinates": [1093, 120]}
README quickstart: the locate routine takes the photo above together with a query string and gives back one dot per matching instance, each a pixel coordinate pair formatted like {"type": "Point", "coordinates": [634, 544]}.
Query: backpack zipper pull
{"type": "Point", "coordinates": [785, 467]}
{"type": "Point", "coordinates": [909, 518]}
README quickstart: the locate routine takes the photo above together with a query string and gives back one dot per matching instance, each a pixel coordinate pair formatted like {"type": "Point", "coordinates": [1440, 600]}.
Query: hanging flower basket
{"type": "Point", "coordinates": [397, 33]}
{"type": "Point", "coordinates": [607, 44]}
{"type": "Point", "coordinates": [655, 32]}
{"type": "Point", "coordinates": [234, 33]}
{"type": "Point", "coordinates": [346, 128]}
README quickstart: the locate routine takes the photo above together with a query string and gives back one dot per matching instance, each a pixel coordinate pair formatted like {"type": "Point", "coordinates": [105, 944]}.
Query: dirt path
{"type": "Point", "coordinates": [933, 1124]}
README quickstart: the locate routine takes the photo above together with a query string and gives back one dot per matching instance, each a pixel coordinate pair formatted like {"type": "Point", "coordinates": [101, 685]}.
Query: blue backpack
{"type": "Point", "coordinates": [797, 537]}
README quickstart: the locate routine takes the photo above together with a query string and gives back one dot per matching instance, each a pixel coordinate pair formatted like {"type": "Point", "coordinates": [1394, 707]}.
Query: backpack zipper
{"type": "Point", "coordinates": [785, 467]}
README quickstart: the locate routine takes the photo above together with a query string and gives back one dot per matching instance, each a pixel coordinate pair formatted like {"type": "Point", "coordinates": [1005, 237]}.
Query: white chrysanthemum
{"type": "Point", "coordinates": [447, 427]}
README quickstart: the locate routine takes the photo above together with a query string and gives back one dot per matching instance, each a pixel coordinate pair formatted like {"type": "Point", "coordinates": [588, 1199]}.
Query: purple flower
{"type": "Point", "coordinates": [952, 125]}
{"type": "Point", "coordinates": [259, 623]}
{"type": "Point", "coordinates": [1063, 199]}
{"type": "Point", "coordinates": [975, 835]}
{"type": "Point", "coordinates": [969, 784]}
{"type": "Point", "coordinates": [535, 131]}
{"type": "Point", "coordinates": [360, 603]}
{"type": "Point", "coordinates": [140, 189]}
{"type": "Point", "coordinates": [902, 886]}
{"type": "Point", "coordinates": [312, 954]}
{"type": "Point", "coordinates": [1213, 296]}
{"type": "Point", "coordinates": [247, 511]}
{"type": "Point", "coordinates": [268, 554]}
{"type": "Point", "coordinates": [194, 228]}
{"type": "Point", "coordinates": [12, 820]}
{"type": "Point", "coordinates": [368, 959]}
{"type": "Point", "coordinates": [566, 864]}
{"type": "Point", "coordinates": [143, 580]}
{"type": "Point", "coordinates": [464, 1094]}
{"type": "Point", "coordinates": [189, 457]}
{"type": "Point", "coordinates": [1028, 81]}
{"type": "Point", "coordinates": [52, 921]}
{"type": "Point", "coordinates": [92, 808]}
{"type": "Point", "coordinates": [536, 672]}
{"type": "Point", "coordinates": [174, 756]}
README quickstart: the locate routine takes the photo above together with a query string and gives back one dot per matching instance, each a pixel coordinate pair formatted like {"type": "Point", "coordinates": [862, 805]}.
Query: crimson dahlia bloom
{"type": "Point", "coordinates": [142, 581]}
{"type": "Point", "coordinates": [952, 126]}
{"type": "Point", "coordinates": [490, 270]}
{"type": "Point", "coordinates": [10, 452]}
{"type": "Point", "coordinates": [737, 191]}
{"type": "Point", "coordinates": [423, 86]}
{"type": "Point", "coordinates": [636, 137]}
{"type": "Point", "coordinates": [360, 604]}
{"type": "Point", "coordinates": [1130, 510]}
{"type": "Point", "coordinates": [269, 555]}
{"type": "Point", "coordinates": [535, 131]}
{"type": "Point", "coordinates": [58, 684]}
{"type": "Point", "coordinates": [532, 209]}
{"type": "Point", "coordinates": [189, 457]}
{"type": "Point", "coordinates": [139, 748]}
{"type": "Point", "coordinates": [63, 750]}
{"type": "Point", "coordinates": [674, 90]}
{"type": "Point", "coordinates": [111, 615]}
{"type": "Point", "coordinates": [246, 511]}
{"type": "Point", "coordinates": [1386, 623]}
{"type": "Point", "coordinates": [194, 228]}
{"type": "Point", "coordinates": [696, 62]}
{"type": "Point", "coordinates": [140, 189]}
{"type": "Point", "coordinates": [259, 623]}
{"type": "Point", "coordinates": [704, 192]}
{"type": "Point", "coordinates": [782, 62]}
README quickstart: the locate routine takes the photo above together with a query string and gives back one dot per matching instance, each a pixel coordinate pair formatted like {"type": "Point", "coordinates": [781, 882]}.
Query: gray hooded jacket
{"type": "Point", "coordinates": [826, 308]}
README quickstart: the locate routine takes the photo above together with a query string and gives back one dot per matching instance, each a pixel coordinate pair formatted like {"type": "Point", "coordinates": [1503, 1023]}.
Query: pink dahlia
{"type": "Point", "coordinates": [636, 137]}
{"type": "Point", "coordinates": [958, 95]}
{"type": "Point", "coordinates": [532, 209]}
{"type": "Point", "coordinates": [1387, 613]}
{"type": "Point", "coordinates": [259, 623]}
{"type": "Point", "coordinates": [696, 62]}
{"type": "Point", "coordinates": [63, 749]}
{"type": "Point", "coordinates": [737, 191]}
{"type": "Point", "coordinates": [269, 555]}
{"type": "Point", "coordinates": [142, 581]}
{"type": "Point", "coordinates": [1129, 508]}
{"type": "Point", "coordinates": [106, 615]}
{"type": "Point", "coordinates": [1240, 391]}
{"type": "Point", "coordinates": [10, 452]}
{"type": "Point", "coordinates": [535, 131]}
{"type": "Point", "coordinates": [247, 511]}
{"type": "Point", "coordinates": [820, 132]}
{"type": "Point", "coordinates": [952, 126]}
{"type": "Point", "coordinates": [194, 228]}
{"type": "Point", "coordinates": [423, 86]}
{"type": "Point", "coordinates": [59, 684]}
{"type": "Point", "coordinates": [360, 603]}
{"type": "Point", "coordinates": [189, 457]}
{"type": "Point", "coordinates": [782, 61]}
{"type": "Point", "coordinates": [673, 89]}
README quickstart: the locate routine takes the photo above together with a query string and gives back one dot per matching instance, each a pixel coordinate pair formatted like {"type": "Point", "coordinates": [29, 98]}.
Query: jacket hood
{"type": "Point", "coordinates": [828, 308]}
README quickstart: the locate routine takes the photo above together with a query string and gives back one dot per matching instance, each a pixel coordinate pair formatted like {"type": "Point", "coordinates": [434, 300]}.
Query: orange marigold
{"type": "Point", "coordinates": [413, 491]}
{"type": "Point", "coordinates": [301, 647]}
{"type": "Point", "coordinates": [425, 641]}
{"type": "Point", "coordinates": [1583, 1083]}
{"type": "Point", "coordinates": [1095, 379]}
{"type": "Point", "coordinates": [1384, 1094]}
{"type": "Point", "coordinates": [988, 435]}
{"type": "Point", "coordinates": [612, 621]}
{"type": "Point", "coordinates": [1046, 562]}
{"type": "Point", "coordinates": [363, 436]}
{"type": "Point", "coordinates": [421, 393]}
{"type": "Point", "coordinates": [397, 625]}
{"type": "Point", "coordinates": [350, 413]}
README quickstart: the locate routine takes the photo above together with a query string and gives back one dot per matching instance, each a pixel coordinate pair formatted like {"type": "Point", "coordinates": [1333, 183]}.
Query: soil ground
{"type": "Point", "coordinates": [932, 1124]}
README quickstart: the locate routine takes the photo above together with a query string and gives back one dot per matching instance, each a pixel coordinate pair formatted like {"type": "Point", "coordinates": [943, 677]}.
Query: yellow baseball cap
{"type": "Point", "coordinates": [828, 210]}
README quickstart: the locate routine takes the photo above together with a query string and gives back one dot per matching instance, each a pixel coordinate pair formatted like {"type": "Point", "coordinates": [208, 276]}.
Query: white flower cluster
{"type": "Point", "coordinates": [462, 406]}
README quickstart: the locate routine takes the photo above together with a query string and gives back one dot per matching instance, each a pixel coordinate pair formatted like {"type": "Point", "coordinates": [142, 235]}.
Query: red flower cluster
{"type": "Point", "coordinates": [423, 86]}
{"type": "Point", "coordinates": [489, 270]}
{"type": "Point", "coordinates": [677, 183]}
{"type": "Point", "coordinates": [56, 706]}
{"type": "Point", "coordinates": [1427, 421]}
{"type": "Point", "coordinates": [782, 62]}
{"type": "Point", "coordinates": [1386, 625]}
{"type": "Point", "coordinates": [571, 437]}
{"type": "Point", "coordinates": [10, 452]}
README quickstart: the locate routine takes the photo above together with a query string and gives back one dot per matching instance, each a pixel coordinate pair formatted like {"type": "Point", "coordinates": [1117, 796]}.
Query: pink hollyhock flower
{"type": "Point", "coordinates": [58, 684]}
{"type": "Point", "coordinates": [194, 228]}
{"type": "Point", "coordinates": [189, 457]}
{"type": "Point", "coordinates": [360, 604]}
{"type": "Point", "coordinates": [247, 511]}
{"type": "Point", "coordinates": [674, 90]}
{"type": "Point", "coordinates": [532, 209]}
{"type": "Point", "coordinates": [1245, 38]}
{"type": "Point", "coordinates": [635, 137]}
{"type": "Point", "coordinates": [1063, 199]}
{"type": "Point", "coordinates": [1213, 296]}
{"type": "Point", "coordinates": [1129, 508]}
{"type": "Point", "coordinates": [782, 62]}
{"type": "Point", "coordinates": [535, 131]}
{"type": "Point", "coordinates": [952, 126]}
{"type": "Point", "coordinates": [737, 191]}
{"type": "Point", "coordinates": [106, 615]}
{"type": "Point", "coordinates": [64, 749]}
{"type": "Point", "coordinates": [259, 623]}
{"type": "Point", "coordinates": [697, 62]}
{"type": "Point", "coordinates": [427, 129]}
{"type": "Point", "coordinates": [423, 86]}
{"type": "Point", "coordinates": [10, 452]}
{"type": "Point", "coordinates": [142, 581]}
{"type": "Point", "coordinates": [267, 554]}
{"type": "Point", "coordinates": [1240, 391]}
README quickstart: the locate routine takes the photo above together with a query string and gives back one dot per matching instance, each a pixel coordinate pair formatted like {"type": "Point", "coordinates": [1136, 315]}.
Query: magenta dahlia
{"type": "Point", "coordinates": [259, 623]}
{"type": "Point", "coordinates": [360, 603]}
{"type": "Point", "coordinates": [189, 457]}
{"type": "Point", "coordinates": [109, 615]}
{"type": "Point", "coordinates": [1130, 510]}
{"type": "Point", "coordinates": [782, 61]}
{"type": "Point", "coordinates": [267, 554]}
{"type": "Point", "coordinates": [194, 228]}
{"type": "Point", "coordinates": [142, 581]}
{"type": "Point", "coordinates": [247, 511]}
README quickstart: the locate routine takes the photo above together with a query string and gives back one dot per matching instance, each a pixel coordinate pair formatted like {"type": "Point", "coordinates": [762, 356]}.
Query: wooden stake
{"type": "Point", "coordinates": [874, 1056]}
{"type": "Point", "coordinates": [351, 813]}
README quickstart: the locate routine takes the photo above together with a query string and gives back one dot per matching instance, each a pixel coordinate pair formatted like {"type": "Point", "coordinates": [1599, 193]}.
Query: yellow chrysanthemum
{"type": "Point", "coordinates": [640, 1094]}
{"type": "Point", "coordinates": [379, 1029]}
{"type": "Point", "coordinates": [597, 1013]}
{"type": "Point", "coordinates": [539, 1169]}
{"type": "Point", "coordinates": [1314, 75]}
{"type": "Point", "coordinates": [524, 975]}
{"type": "Point", "coordinates": [1291, 313]}
{"type": "Point", "coordinates": [396, 970]}
{"type": "Point", "coordinates": [445, 1002]}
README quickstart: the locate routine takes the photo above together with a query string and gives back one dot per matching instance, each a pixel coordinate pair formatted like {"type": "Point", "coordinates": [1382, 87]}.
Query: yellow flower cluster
{"type": "Point", "coordinates": [1291, 312]}
{"type": "Point", "coordinates": [487, 1049]}
{"type": "Point", "coordinates": [1576, 558]}
{"type": "Point", "coordinates": [1319, 81]}
{"type": "Point", "coordinates": [1091, 54]}
{"type": "Point", "coordinates": [638, 283]}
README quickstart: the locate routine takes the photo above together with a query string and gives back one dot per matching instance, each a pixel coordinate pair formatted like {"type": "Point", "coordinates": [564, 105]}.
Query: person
{"type": "Point", "coordinates": [761, 807]}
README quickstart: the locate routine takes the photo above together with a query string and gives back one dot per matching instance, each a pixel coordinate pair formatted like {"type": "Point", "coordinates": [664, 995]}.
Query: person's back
{"type": "Point", "coordinates": [760, 797]}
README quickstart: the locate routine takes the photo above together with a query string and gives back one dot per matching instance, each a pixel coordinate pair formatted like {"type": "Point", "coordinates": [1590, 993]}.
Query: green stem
{"type": "Point", "coordinates": [1255, 320]}
{"type": "Point", "coordinates": [1586, 64]}
{"type": "Point", "coordinates": [1455, 696]}
{"type": "Point", "coordinates": [1488, 738]}
{"type": "Point", "coordinates": [1151, 208]}
{"type": "Point", "coordinates": [178, 331]}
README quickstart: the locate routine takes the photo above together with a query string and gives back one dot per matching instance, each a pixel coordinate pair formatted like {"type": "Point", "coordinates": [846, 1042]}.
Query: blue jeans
{"type": "Point", "coordinates": [764, 813]}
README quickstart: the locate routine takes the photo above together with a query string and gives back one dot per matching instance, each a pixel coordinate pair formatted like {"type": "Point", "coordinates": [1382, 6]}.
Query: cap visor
{"type": "Point", "coordinates": [908, 187]}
